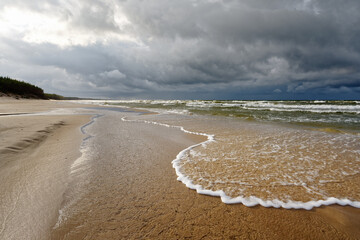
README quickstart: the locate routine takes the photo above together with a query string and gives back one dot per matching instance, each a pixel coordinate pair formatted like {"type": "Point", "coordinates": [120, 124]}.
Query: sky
{"type": "Point", "coordinates": [184, 49]}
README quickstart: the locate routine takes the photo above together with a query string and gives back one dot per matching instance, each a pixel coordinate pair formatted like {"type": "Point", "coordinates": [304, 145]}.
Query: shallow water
{"type": "Point", "coordinates": [292, 154]}
{"type": "Point", "coordinates": [269, 164]}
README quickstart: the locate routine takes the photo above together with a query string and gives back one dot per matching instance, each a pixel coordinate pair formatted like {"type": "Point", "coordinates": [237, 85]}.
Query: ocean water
{"type": "Point", "coordinates": [290, 154]}
{"type": "Point", "coordinates": [340, 115]}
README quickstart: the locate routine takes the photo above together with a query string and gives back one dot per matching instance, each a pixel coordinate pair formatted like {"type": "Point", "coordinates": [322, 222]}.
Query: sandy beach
{"type": "Point", "coordinates": [36, 153]}
{"type": "Point", "coordinates": [122, 185]}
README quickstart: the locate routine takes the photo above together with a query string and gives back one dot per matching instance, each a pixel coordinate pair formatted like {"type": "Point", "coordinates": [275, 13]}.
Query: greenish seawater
{"type": "Point", "coordinates": [327, 115]}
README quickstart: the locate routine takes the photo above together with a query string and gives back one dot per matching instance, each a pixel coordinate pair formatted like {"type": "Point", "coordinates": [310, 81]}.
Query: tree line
{"type": "Point", "coordinates": [20, 88]}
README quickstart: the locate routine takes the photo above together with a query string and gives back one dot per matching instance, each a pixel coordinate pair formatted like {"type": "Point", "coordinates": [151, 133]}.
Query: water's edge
{"type": "Point", "coordinates": [247, 201]}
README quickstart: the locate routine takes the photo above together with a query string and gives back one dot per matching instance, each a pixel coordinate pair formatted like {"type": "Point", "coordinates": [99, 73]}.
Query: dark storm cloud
{"type": "Point", "coordinates": [183, 48]}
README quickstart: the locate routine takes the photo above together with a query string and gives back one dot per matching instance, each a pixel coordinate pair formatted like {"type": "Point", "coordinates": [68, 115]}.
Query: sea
{"type": "Point", "coordinates": [289, 154]}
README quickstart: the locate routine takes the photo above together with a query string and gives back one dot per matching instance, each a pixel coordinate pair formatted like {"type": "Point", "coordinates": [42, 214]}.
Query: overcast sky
{"type": "Point", "coordinates": [184, 49]}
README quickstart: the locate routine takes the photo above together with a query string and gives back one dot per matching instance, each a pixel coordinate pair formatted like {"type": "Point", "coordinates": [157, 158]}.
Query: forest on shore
{"type": "Point", "coordinates": [20, 89]}
{"type": "Point", "coordinates": [16, 88]}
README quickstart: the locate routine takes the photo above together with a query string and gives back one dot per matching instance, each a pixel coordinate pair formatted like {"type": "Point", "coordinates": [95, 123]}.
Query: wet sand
{"type": "Point", "coordinates": [133, 194]}
{"type": "Point", "coordinates": [36, 153]}
{"type": "Point", "coordinates": [127, 188]}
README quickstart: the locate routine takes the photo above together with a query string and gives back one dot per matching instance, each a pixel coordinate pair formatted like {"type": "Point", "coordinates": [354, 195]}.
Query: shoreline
{"type": "Point", "coordinates": [36, 154]}
{"type": "Point", "coordinates": [133, 191]}
{"type": "Point", "coordinates": [171, 210]}
{"type": "Point", "coordinates": [248, 201]}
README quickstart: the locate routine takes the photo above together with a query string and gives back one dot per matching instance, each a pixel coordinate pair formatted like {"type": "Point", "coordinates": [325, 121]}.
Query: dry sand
{"type": "Point", "coordinates": [131, 191]}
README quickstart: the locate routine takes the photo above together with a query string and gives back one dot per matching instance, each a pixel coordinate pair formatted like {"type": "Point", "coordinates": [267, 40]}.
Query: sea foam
{"type": "Point", "coordinates": [247, 201]}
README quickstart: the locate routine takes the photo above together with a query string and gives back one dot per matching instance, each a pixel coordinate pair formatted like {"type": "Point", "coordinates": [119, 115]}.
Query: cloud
{"type": "Point", "coordinates": [64, 23]}
{"type": "Point", "coordinates": [113, 74]}
{"type": "Point", "coordinates": [192, 48]}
